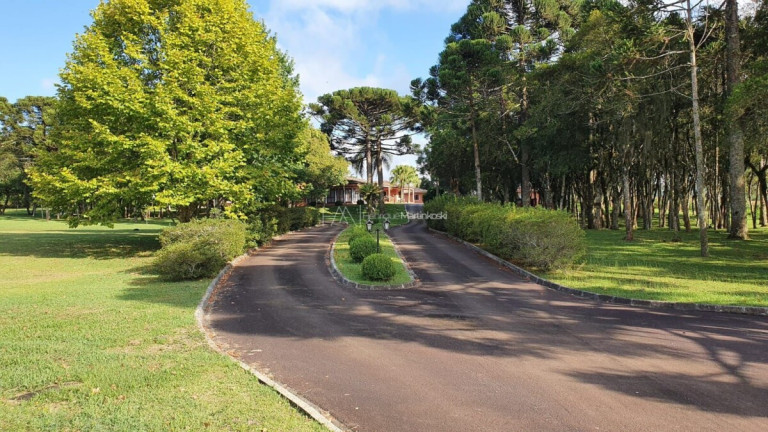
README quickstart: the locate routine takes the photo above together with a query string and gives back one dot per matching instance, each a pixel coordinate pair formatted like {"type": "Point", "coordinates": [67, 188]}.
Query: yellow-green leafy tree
{"type": "Point", "coordinates": [176, 103]}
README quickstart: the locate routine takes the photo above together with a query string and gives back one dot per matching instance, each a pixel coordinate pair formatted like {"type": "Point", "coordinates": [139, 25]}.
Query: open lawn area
{"type": "Point", "coordinates": [90, 341]}
{"type": "Point", "coordinates": [655, 267]}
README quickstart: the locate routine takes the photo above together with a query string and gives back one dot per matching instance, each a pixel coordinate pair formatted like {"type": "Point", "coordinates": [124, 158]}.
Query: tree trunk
{"type": "Point", "coordinates": [475, 144]}
{"type": "Point", "coordinates": [186, 213]}
{"type": "Point", "coordinates": [628, 212]}
{"type": "Point", "coordinates": [368, 160]}
{"type": "Point", "coordinates": [380, 172]}
{"type": "Point", "coordinates": [735, 135]}
{"type": "Point", "coordinates": [698, 145]}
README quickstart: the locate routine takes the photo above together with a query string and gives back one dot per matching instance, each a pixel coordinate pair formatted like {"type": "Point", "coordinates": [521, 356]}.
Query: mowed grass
{"type": "Point", "coordinates": [90, 341]}
{"type": "Point", "coordinates": [656, 267]}
{"type": "Point", "coordinates": [353, 271]}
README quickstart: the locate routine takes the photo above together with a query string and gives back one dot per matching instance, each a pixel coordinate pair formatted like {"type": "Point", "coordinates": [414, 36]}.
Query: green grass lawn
{"type": "Point", "coordinates": [90, 341]}
{"type": "Point", "coordinates": [353, 271]}
{"type": "Point", "coordinates": [657, 268]}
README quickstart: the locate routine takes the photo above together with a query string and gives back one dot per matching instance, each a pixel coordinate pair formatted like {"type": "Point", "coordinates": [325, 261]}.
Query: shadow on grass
{"type": "Point", "coordinates": [147, 286]}
{"type": "Point", "coordinates": [79, 243]}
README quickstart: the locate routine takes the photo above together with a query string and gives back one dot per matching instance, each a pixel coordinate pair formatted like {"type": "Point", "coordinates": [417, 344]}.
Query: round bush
{"type": "Point", "coordinates": [361, 248]}
{"type": "Point", "coordinates": [356, 232]}
{"type": "Point", "coordinates": [199, 248]}
{"type": "Point", "coordinates": [378, 267]}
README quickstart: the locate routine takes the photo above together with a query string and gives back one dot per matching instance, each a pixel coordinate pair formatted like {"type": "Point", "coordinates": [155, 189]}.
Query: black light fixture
{"type": "Point", "coordinates": [369, 225]}
{"type": "Point", "coordinates": [386, 224]}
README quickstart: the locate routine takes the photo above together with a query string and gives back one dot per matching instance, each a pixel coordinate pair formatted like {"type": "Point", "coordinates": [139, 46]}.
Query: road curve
{"type": "Point", "coordinates": [475, 348]}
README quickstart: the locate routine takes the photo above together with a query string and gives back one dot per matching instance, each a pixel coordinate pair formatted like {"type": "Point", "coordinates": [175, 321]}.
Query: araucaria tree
{"type": "Point", "coordinates": [368, 123]}
{"type": "Point", "coordinates": [639, 113]}
{"type": "Point", "coordinates": [173, 103]}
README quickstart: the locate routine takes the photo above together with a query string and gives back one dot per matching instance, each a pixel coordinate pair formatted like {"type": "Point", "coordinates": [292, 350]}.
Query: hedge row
{"type": "Point", "coordinates": [275, 220]}
{"type": "Point", "coordinates": [533, 237]}
{"type": "Point", "coordinates": [201, 248]}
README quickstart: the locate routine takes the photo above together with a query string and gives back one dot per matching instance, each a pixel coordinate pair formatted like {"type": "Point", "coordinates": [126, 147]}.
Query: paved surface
{"type": "Point", "coordinates": [475, 348]}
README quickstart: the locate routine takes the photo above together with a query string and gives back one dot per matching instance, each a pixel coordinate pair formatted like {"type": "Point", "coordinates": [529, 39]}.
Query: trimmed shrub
{"type": "Point", "coordinates": [362, 247]}
{"type": "Point", "coordinates": [542, 238]}
{"type": "Point", "coordinates": [378, 267]}
{"type": "Point", "coordinates": [533, 237]}
{"type": "Point", "coordinates": [356, 232]}
{"type": "Point", "coordinates": [338, 203]}
{"type": "Point", "coordinates": [200, 248]}
{"type": "Point", "coordinates": [275, 220]}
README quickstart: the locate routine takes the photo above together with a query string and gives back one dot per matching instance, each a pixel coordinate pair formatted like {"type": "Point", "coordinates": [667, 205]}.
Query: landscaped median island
{"type": "Point", "coordinates": [658, 265]}
{"type": "Point", "coordinates": [352, 255]}
{"type": "Point", "coordinates": [90, 340]}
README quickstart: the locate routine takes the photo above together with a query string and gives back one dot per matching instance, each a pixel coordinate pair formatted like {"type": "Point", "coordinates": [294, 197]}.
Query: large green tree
{"type": "Point", "coordinates": [322, 170]}
{"type": "Point", "coordinates": [369, 122]}
{"type": "Point", "coordinates": [173, 103]}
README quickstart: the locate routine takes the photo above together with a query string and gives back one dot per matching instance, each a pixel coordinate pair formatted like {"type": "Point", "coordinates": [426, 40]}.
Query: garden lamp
{"type": "Point", "coordinates": [386, 224]}
{"type": "Point", "coordinates": [369, 225]}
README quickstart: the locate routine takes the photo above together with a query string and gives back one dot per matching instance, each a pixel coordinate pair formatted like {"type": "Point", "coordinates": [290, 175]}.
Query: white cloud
{"type": "Point", "coordinates": [331, 40]}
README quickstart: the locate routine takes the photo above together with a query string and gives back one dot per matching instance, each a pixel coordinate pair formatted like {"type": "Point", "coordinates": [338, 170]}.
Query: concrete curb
{"type": "Point", "coordinates": [340, 278]}
{"type": "Point", "coordinates": [321, 416]}
{"type": "Point", "coordinates": [653, 304]}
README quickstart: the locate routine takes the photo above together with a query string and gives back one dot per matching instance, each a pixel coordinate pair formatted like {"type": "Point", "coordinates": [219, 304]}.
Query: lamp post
{"type": "Point", "coordinates": [369, 225]}
{"type": "Point", "coordinates": [378, 248]}
{"type": "Point", "coordinates": [386, 224]}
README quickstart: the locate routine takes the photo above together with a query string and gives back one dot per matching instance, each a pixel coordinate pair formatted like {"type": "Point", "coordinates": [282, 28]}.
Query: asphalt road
{"type": "Point", "coordinates": [475, 348]}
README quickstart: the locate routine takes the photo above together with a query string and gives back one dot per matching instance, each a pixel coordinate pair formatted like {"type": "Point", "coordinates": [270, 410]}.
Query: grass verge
{"type": "Point", "coordinates": [655, 267]}
{"type": "Point", "coordinates": [90, 341]}
{"type": "Point", "coordinates": [353, 271]}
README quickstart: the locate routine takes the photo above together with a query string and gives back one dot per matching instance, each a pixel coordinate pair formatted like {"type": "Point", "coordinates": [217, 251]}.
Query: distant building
{"type": "Point", "coordinates": [350, 193]}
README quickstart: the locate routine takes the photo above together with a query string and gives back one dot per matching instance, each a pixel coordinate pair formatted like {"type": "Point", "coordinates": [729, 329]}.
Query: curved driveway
{"type": "Point", "coordinates": [475, 348]}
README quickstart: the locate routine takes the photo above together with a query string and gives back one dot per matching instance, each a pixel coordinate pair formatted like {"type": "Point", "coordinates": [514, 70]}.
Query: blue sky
{"type": "Point", "coordinates": [335, 43]}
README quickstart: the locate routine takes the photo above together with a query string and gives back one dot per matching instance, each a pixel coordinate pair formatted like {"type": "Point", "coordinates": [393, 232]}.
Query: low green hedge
{"type": "Point", "coordinates": [361, 247]}
{"type": "Point", "coordinates": [200, 248]}
{"type": "Point", "coordinates": [378, 267]}
{"type": "Point", "coordinates": [268, 222]}
{"type": "Point", "coordinates": [533, 237]}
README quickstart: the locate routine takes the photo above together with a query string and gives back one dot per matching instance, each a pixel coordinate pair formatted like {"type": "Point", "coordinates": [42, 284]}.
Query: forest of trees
{"type": "Point", "coordinates": [641, 112]}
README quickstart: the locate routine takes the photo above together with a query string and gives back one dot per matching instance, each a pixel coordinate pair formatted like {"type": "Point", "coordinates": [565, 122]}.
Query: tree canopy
{"type": "Point", "coordinates": [174, 104]}
{"type": "Point", "coordinates": [605, 108]}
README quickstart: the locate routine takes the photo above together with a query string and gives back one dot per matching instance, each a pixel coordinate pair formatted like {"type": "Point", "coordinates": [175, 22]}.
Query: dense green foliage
{"type": "Point", "coordinates": [24, 129]}
{"type": "Point", "coordinates": [200, 248]}
{"type": "Point", "coordinates": [322, 170]}
{"type": "Point", "coordinates": [534, 237]}
{"type": "Point", "coordinates": [378, 267]}
{"type": "Point", "coordinates": [179, 104]}
{"type": "Point", "coordinates": [361, 247]}
{"type": "Point", "coordinates": [593, 107]}
{"type": "Point", "coordinates": [274, 220]}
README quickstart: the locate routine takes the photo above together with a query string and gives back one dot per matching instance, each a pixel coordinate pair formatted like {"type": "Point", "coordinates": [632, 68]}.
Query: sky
{"type": "Point", "coordinates": [335, 44]}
